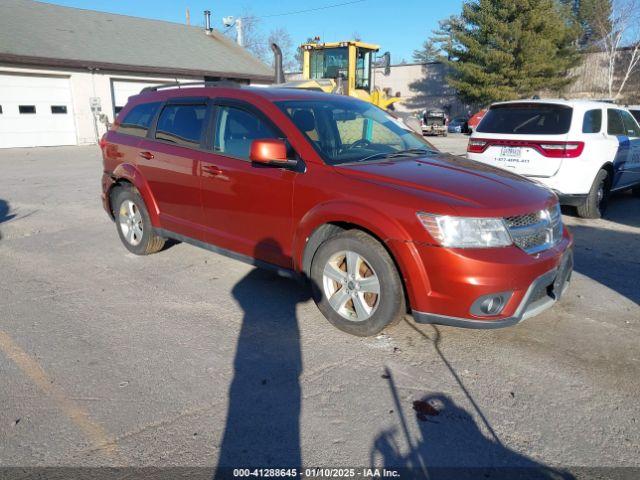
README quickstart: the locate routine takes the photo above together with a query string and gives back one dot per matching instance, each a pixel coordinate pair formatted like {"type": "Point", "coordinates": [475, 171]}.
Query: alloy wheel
{"type": "Point", "coordinates": [130, 220]}
{"type": "Point", "coordinates": [351, 285]}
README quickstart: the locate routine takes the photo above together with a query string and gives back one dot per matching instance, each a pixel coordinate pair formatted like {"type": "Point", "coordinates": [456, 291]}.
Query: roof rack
{"type": "Point", "coordinates": [212, 83]}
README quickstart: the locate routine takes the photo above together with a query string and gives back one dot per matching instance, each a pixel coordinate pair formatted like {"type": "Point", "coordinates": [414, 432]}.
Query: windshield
{"type": "Point", "coordinates": [527, 118]}
{"type": "Point", "coordinates": [346, 131]}
{"type": "Point", "coordinates": [329, 63]}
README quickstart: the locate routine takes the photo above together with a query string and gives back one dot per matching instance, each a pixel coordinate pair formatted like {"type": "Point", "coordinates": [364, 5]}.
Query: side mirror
{"type": "Point", "coordinates": [386, 63]}
{"type": "Point", "coordinates": [270, 151]}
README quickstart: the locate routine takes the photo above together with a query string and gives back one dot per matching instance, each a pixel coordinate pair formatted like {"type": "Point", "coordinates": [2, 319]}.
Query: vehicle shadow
{"type": "Point", "coordinates": [623, 208]}
{"type": "Point", "coordinates": [262, 427]}
{"type": "Point", "coordinates": [5, 216]}
{"type": "Point", "coordinates": [610, 257]}
{"type": "Point", "coordinates": [451, 444]}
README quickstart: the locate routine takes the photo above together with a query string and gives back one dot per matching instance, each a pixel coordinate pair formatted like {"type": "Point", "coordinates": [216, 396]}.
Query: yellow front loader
{"type": "Point", "coordinates": [343, 68]}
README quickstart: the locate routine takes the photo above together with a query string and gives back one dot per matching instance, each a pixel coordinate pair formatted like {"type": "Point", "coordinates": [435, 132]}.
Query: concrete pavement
{"type": "Point", "coordinates": [107, 358]}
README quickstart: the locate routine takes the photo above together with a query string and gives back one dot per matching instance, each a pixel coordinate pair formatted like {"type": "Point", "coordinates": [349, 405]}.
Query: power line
{"type": "Point", "coordinates": [311, 9]}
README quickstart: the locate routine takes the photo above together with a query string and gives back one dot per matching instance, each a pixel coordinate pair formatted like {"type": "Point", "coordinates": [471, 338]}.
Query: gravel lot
{"type": "Point", "coordinates": [189, 358]}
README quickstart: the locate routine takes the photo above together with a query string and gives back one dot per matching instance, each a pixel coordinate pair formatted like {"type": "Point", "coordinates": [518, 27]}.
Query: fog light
{"type": "Point", "coordinates": [489, 305]}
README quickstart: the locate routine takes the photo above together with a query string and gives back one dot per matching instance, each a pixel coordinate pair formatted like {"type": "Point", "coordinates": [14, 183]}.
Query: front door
{"type": "Point", "coordinates": [247, 208]}
{"type": "Point", "coordinates": [633, 133]}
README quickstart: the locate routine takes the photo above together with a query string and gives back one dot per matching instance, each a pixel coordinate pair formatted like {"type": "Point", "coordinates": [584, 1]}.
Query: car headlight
{"type": "Point", "coordinates": [466, 232]}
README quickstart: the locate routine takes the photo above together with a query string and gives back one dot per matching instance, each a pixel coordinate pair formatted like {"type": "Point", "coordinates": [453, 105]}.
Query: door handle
{"type": "Point", "coordinates": [211, 170]}
{"type": "Point", "coordinates": [147, 155]}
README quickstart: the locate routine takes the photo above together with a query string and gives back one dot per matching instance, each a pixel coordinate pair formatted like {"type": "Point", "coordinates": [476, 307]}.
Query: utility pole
{"type": "Point", "coordinates": [239, 37]}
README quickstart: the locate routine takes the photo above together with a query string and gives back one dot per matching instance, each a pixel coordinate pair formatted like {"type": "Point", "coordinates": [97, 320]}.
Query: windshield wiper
{"type": "Point", "coordinates": [400, 153]}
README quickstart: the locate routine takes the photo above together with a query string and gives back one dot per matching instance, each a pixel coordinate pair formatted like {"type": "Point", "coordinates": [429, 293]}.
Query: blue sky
{"type": "Point", "coordinates": [399, 26]}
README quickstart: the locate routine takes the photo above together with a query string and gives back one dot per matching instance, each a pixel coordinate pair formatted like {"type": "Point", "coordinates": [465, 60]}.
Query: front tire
{"type": "Point", "coordinates": [595, 204]}
{"type": "Point", "coordinates": [356, 284]}
{"type": "Point", "coordinates": [133, 223]}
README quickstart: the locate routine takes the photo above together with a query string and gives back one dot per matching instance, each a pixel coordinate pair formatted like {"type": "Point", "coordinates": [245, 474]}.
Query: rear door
{"type": "Point", "coordinates": [621, 148]}
{"type": "Point", "coordinates": [517, 133]}
{"type": "Point", "coordinates": [169, 160]}
{"type": "Point", "coordinates": [247, 208]}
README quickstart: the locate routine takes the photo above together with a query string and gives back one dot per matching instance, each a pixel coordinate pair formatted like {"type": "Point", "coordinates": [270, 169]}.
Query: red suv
{"type": "Point", "coordinates": [335, 190]}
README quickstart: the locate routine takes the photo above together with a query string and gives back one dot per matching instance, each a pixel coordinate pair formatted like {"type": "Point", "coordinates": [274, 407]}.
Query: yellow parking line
{"type": "Point", "coordinates": [80, 417]}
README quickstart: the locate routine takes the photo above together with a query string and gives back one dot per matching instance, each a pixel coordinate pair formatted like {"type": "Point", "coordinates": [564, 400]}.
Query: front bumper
{"type": "Point", "coordinates": [543, 292]}
{"type": "Point", "coordinates": [446, 284]}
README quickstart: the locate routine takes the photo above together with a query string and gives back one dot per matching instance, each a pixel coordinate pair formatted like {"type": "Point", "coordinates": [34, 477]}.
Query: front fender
{"type": "Point", "coordinates": [388, 230]}
{"type": "Point", "coordinates": [126, 171]}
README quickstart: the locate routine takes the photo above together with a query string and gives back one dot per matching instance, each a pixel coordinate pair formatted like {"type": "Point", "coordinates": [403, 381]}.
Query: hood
{"type": "Point", "coordinates": [470, 188]}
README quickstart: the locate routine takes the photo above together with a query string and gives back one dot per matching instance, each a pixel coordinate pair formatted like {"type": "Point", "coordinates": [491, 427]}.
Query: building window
{"type": "Point", "coordinates": [58, 109]}
{"type": "Point", "coordinates": [27, 108]}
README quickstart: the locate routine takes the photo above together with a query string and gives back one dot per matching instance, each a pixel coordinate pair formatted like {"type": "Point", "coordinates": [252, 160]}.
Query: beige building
{"type": "Point", "coordinates": [64, 71]}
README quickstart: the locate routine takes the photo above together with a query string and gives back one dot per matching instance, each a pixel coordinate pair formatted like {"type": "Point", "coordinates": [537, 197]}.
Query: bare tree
{"type": "Point", "coordinates": [281, 37]}
{"type": "Point", "coordinates": [620, 37]}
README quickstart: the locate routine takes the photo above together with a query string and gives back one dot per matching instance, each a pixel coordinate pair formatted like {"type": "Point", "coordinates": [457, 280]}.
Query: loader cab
{"type": "Point", "coordinates": [347, 63]}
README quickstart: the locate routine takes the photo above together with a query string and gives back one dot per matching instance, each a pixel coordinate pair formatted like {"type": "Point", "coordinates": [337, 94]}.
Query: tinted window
{"type": "Point", "coordinates": [635, 113]}
{"type": "Point", "coordinates": [630, 125]}
{"type": "Point", "coordinates": [527, 118]}
{"type": "Point", "coordinates": [181, 124]}
{"type": "Point", "coordinates": [236, 129]}
{"type": "Point", "coordinates": [614, 123]}
{"type": "Point", "coordinates": [58, 109]}
{"type": "Point", "coordinates": [139, 118]}
{"type": "Point", "coordinates": [27, 109]}
{"type": "Point", "coordinates": [592, 122]}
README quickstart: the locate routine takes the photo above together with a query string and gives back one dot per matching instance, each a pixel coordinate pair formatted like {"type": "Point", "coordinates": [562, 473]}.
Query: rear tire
{"type": "Point", "coordinates": [356, 284]}
{"type": "Point", "coordinates": [596, 202]}
{"type": "Point", "coordinates": [133, 222]}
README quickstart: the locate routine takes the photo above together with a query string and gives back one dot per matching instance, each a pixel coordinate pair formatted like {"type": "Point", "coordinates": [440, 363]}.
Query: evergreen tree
{"type": "Point", "coordinates": [509, 49]}
{"type": "Point", "coordinates": [428, 53]}
{"type": "Point", "coordinates": [442, 37]}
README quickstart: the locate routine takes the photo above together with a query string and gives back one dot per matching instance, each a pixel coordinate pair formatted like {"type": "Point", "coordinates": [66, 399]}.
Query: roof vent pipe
{"type": "Point", "coordinates": [207, 22]}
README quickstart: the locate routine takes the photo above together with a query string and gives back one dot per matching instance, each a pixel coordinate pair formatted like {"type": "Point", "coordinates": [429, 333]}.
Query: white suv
{"type": "Point", "coordinates": [582, 150]}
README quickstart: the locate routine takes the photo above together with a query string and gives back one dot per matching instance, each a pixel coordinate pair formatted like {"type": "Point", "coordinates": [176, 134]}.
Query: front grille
{"type": "Point", "coordinates": [523, 220]}
{"type": "Point", "coordinates": [537, 231]}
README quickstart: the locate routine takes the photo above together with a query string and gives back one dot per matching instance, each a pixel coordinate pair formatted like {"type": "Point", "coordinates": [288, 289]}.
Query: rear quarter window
{"type": "Point", "coordinates": [527, 119]}
{"type": "Point", "coordinates": [592, 122]}
{"type": "Point", "coordinates": [138, 120]}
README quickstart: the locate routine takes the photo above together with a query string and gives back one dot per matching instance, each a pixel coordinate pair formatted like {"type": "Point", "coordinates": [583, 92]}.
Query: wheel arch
{"type": "Point", "coordinates": [610, 169]}
{"type": "Point", "coordinates": [321, 225]}
{"type": "Point", "coordinates": [127, 174]}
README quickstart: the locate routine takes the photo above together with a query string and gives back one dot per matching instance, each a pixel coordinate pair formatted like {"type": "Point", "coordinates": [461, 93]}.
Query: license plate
{"type": "Point", "coordinates": [510, 152]}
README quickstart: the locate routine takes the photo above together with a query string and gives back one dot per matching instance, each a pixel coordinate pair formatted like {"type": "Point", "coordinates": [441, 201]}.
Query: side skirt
{"type": "Point", "coordinates": [283, 272]}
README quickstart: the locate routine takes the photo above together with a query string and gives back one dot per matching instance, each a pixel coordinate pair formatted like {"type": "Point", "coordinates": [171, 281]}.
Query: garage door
{"type": "Point", "coordinates": [123, 89]}
{"type": "Point", "coordinates": [35, 111]}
